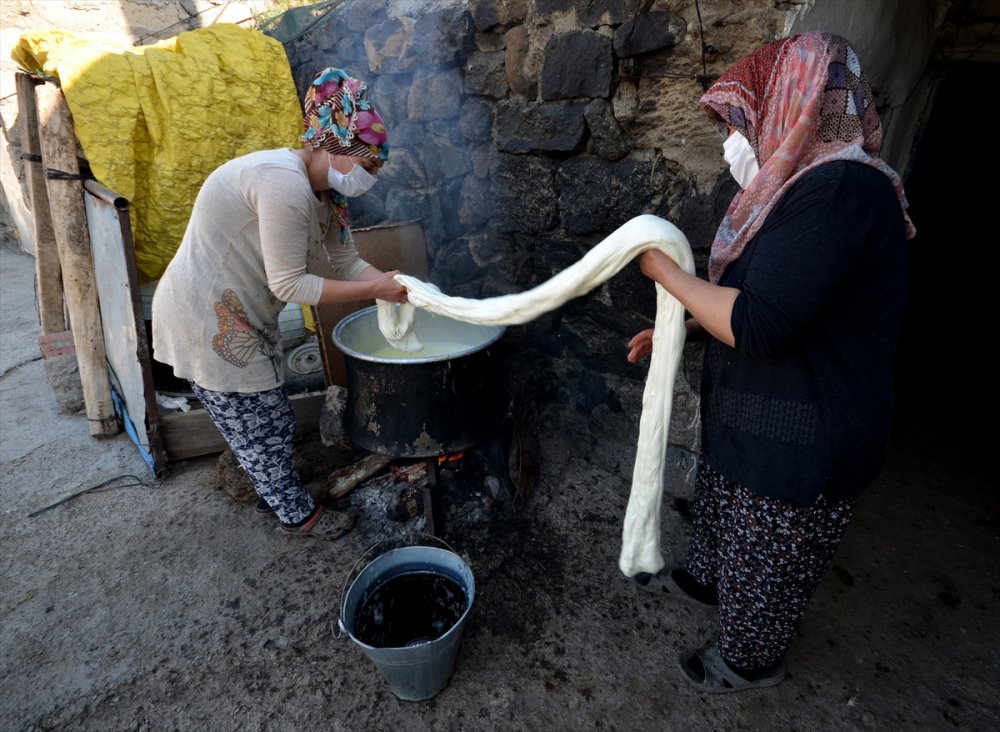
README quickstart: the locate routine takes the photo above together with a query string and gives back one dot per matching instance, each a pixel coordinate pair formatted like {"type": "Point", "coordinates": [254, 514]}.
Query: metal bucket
{"type": "Point", "coordinates": [415, 671]}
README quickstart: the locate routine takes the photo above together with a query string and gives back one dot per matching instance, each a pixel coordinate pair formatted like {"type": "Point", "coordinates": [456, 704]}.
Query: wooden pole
{"type": "Point", "coordinates": [48, 272]}
{"type": "Point", "coordinates": [69, 222]}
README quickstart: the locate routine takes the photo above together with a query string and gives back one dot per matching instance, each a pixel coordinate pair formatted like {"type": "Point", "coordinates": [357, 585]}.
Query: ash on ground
{"type": "Point", "coordinates": [393, 502]}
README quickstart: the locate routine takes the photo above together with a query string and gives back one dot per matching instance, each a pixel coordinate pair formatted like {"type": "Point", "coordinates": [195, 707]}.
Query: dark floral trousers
{"type": "Point", "coordinates": [260, 430]}
{"type": "Point", "coordinates": [765, 558]}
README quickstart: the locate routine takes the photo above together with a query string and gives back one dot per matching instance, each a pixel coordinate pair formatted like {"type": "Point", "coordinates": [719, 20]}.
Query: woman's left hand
{"type": "Point", "coordinates": [640, 346]}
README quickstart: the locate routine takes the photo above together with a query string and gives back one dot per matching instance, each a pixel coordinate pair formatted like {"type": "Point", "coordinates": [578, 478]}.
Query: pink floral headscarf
{"type": "Point", "coordinates": [339, 119]}
{"type": "Point", "coordinates": [801, 101]}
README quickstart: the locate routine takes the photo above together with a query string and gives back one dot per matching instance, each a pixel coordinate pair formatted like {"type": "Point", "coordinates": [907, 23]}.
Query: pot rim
{"type": "Point", "coordinates": [371, 310]}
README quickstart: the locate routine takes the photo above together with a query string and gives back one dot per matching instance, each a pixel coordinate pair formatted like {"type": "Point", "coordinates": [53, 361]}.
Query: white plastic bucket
{"type": "Point", "coordinates": [418, 671]}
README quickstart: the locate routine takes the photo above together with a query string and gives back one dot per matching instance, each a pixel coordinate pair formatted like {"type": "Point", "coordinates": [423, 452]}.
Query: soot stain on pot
{"type": "Point", "coordinates": [420, 407]}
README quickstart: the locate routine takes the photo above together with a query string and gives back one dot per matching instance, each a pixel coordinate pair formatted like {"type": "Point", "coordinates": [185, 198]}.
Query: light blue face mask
{"type": "Point", "coordinates": [742, 162]}
{"type": "Point", "coordinates": [350, 184]}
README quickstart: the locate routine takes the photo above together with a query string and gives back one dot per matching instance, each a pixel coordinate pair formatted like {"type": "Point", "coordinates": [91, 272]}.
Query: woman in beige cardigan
{"type": "Point", "coordinates": [258, 222]}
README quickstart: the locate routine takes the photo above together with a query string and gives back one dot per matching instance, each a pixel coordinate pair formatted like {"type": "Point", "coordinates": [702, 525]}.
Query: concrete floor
{"type": "Point", "coordinates": [170, 606]}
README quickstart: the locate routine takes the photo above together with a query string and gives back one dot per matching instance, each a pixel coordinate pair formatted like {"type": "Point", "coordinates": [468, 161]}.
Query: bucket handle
{"type": "Point", "coordinates": [339, 630]}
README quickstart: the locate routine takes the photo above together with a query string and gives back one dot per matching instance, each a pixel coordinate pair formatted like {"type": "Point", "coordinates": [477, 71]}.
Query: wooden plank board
{"type": "Point", "coordinates": [190, 434]}
{"type": "Point", "coordinates": [69, 222]}
{"type": "Point", "coordinates": [48, 270]}
{"type": "Point", "coordinates": [110, 228]}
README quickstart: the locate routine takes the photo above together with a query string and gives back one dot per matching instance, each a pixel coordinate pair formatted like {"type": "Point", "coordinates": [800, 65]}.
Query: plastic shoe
{"type": "Point", "coordinates": [663, 583]}
{"type": "Point", "coordinates": [324, 524]}
{"type": "Point", "coordinates": [719, 677]}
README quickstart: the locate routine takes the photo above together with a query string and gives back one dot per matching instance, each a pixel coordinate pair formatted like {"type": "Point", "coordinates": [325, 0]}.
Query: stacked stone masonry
{"type": "Point", "coordinates": [523, 132]}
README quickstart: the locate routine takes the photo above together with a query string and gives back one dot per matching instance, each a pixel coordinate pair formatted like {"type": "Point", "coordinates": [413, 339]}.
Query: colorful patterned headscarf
{"type": "Point", "coordinates": [338, 118]}
{"type": "Point", "coordinates": [801, 101]}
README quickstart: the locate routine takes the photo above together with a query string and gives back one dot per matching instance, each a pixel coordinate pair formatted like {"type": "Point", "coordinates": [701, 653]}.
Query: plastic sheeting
{"type": "Point", "coordinates": [154, 121]}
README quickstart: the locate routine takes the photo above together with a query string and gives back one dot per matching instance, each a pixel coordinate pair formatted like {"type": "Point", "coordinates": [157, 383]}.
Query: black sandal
{"type": "Point", "coordinates": [664, 583]}
{"type": "Point", "coordinates": [717, 677]}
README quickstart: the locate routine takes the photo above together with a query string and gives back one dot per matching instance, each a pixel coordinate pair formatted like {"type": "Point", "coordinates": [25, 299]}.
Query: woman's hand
{"type": "Point", "coordinates": [384, 287]}
{"type": "Point", "coordinates": [640, 346]}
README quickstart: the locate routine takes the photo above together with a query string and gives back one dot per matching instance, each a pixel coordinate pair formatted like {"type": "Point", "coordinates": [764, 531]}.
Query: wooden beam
{"type": "Point", "coordinates": [69, 223]}
{"type": "Point", "coordinates": [190, 434]}
{"type": "Point", "coordinates": [346, 479]}
{"type": "Point", "coordinates": [48, 272]}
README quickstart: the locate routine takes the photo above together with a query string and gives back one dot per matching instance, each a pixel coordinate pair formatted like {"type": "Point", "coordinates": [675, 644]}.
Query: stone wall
{"type": "Point", "coordinates": [514, 119]}
{"type": "Point", "coordinates": [522, 133]}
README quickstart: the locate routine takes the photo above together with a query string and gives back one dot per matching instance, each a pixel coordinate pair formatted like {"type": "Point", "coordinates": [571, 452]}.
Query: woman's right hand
{"type": "Point", "coordinates": [385, 287]}
{"type": "Point", "coordinates": [640, 346]}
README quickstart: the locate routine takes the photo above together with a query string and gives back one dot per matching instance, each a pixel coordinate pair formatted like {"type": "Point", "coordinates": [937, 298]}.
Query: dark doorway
{"type": "Point", "coordinates": [946, 374]}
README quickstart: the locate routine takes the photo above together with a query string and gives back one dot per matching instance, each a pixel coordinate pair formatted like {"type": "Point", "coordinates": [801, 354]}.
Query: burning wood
{"type": "Point", "coordinates": [411, 473]}
{"type": "Point", "coordinates": [346, 479]}
{"type": "Point", "coordinates": [417, 471]}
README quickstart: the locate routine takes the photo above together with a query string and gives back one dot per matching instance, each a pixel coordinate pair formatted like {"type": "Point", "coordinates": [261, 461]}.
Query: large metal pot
{"type": "Point", "coordinates": [441, 400]}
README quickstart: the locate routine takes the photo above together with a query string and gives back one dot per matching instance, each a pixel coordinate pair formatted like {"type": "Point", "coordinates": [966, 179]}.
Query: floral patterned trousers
{"type": "Point", "coordinates": [260, 430]}
{"type": "Point", "coordinates": [765, 558]}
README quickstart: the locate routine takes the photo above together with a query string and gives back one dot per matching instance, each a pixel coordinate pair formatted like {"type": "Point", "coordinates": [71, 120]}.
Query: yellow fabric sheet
{"type": "Point", "coordinates": [154, 121]}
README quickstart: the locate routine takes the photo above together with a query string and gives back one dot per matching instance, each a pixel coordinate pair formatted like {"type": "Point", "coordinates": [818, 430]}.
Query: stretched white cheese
{"type": "Point", "coordinates": [641, 530]}
{"type": "Point", "coordinates": [395, 321]}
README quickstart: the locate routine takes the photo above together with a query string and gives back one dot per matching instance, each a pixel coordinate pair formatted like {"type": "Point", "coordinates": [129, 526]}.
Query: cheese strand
{"type": "Point", "coordinates": [640, 550]}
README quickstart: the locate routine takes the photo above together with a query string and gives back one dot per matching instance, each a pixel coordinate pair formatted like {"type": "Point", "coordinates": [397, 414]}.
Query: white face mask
{"type": "Point", "coordinates": [351, 184]}
{"type": "Point", "coordinates": [742, 161]}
